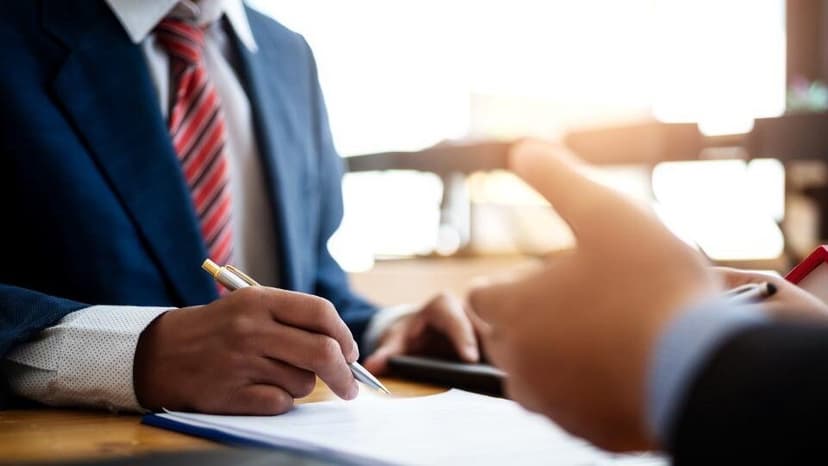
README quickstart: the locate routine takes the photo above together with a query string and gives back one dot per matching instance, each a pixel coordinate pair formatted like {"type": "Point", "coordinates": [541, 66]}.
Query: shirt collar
{"type": "Point", "coordinates": [139, 17]}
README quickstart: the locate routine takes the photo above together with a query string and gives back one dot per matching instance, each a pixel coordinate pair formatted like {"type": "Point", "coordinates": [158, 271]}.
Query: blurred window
{"type": "Point", "coordinates": [406, 75]}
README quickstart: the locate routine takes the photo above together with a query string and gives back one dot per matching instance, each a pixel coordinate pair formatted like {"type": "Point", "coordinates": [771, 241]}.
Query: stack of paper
{"type": "Point", "coordinates": [455, 427]}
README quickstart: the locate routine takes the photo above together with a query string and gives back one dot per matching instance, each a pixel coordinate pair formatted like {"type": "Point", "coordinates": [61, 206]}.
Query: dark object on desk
{"type": "Point", "coordinates": [478, 378]}
{"type": "Point", "coordinates": [217, 457]}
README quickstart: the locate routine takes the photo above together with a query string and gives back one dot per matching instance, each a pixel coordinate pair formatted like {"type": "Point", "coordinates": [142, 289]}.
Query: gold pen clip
{"type": "Point", "coordinates": [241, 275]}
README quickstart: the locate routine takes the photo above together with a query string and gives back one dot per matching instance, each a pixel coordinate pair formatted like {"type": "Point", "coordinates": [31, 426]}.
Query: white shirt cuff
{"type": "Point", "coordinates": [383, 319]}
{"type": "Point", "coordinates": [84, 360]}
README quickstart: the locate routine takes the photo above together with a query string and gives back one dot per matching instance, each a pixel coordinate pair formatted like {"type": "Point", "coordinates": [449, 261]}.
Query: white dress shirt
{"type": "Point", "coordinates": [87, 358]}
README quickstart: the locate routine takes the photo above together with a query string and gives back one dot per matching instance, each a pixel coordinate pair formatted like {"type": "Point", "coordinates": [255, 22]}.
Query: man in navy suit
{"type": "Point", "coordinates": [139, 137]}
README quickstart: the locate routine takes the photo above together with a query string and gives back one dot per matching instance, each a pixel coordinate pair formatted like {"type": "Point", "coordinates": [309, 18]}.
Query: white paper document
{"type": "Point", "coordinates": [451, 428]}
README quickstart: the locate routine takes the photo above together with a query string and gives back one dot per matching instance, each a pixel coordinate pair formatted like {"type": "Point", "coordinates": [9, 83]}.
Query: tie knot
{"type": "Point", "coordinates": [181, 39]}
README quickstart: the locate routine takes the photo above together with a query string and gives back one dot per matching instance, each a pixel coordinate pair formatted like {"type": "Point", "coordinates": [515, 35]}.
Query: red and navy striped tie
{"type": "Point", "coordinates": [197, 128]}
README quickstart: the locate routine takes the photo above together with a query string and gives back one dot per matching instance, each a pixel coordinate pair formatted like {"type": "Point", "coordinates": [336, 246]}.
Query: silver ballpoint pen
{"type": "Point", "coordinates": [233, 279]}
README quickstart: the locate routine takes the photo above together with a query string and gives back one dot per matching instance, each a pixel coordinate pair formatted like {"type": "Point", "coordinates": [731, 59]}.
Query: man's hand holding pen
{"type": "Point", "coordinates": [250, 352]}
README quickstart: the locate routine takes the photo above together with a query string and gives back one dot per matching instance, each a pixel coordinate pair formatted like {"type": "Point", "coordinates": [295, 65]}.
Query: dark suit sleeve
{"type": "Point", "coordinates": [762, 399]}
{"type": "Point", "coordinates": [24, 313]}
{"type": "Point", "coordinates": [331, 280]}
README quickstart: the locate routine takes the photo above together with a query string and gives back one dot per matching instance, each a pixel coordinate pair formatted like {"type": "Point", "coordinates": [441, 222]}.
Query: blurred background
{"type": "Point", "coordinates": [711, 111]}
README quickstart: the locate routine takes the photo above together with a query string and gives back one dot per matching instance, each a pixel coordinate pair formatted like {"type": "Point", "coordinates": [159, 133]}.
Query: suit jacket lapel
{"type": "Point", "coordinates": [105, 88]}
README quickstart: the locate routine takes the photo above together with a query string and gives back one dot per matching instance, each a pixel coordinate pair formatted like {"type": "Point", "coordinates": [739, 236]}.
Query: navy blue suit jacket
{"type": "Point", "coordinates": [94, 206]}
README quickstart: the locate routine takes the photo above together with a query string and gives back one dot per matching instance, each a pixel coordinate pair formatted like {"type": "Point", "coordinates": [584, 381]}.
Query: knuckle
{"type": "Point", "coordinates": [327, 306]}
{"type": "Point", "coordinates": [331, 349]}
{"type": "Point", "coordinates": [326, 352]}
{"type": "Point", "coordinates": [242, 325]}
{"type": "Point", "coordinates": [442, 300]}
{"type": "Point", "coordinates": [280, 402]}
{"type": "Point", "coordinates": [305, 385]}
{"type": "Point", "coordinates": [322, 310]}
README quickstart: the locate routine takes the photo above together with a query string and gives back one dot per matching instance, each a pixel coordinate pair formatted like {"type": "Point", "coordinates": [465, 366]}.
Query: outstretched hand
{"type": "Point", "coordinates": [576, 337]}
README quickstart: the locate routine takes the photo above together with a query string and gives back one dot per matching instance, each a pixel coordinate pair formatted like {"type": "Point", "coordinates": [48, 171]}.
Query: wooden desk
{"type": "Point", "coordinates": [59, 434]}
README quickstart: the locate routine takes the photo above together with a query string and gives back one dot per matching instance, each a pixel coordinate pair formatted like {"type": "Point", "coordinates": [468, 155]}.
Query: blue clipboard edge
{"type": "Point", "coordinates": [217, 435]}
